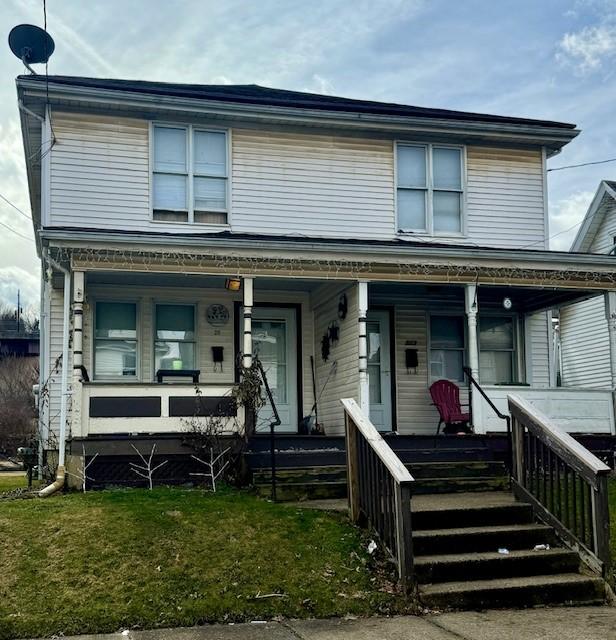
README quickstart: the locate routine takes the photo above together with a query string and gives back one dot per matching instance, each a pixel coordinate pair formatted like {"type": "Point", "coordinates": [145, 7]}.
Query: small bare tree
{"type": "Point", "coordinates": [82, 474]}
{"type": "Point", "coordinates": [146, 470]}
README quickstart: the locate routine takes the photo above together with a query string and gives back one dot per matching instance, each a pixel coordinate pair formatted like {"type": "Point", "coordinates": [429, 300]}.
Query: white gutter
{"type": "Point", "coordinates": [58, 483]}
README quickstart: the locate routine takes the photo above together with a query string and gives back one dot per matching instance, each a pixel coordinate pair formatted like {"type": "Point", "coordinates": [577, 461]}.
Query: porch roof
{"type": "Point", "coordinates": [289, 256]}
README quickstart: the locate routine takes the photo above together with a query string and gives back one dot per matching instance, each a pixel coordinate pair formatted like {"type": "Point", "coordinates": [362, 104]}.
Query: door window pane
{"type": "Point", "coordinates": [446, 168]}
{"type": "Point", "coordinates": [210, 193]}
{"type": "Point", "coordinates": [269, 339]}
{"type": "Point", "coordinates": [116, 320]}
{"type": "Point", "coordinates": [411, 209]}
{"type": "Point", "coordinates": [446, 211]}
{"type": "Point", "coordinates": [169, 150]}
{"type": "Point", "coordinates": [210, 153]}
{"type": "Point", "coordinates": [411, 166]}
{"type": "Point", "coordinates": [169, 191]}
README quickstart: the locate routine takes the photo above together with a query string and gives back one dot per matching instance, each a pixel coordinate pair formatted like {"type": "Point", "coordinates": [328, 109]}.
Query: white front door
{"type": "Point", "coordinates": [379, 369]}
{"type": "Point", "coordinates": [274, 342]}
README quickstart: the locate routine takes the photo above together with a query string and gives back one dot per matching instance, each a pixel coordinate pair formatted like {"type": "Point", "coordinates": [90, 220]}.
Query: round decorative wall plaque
{"type": "Point", "coordinates": [217, 315]}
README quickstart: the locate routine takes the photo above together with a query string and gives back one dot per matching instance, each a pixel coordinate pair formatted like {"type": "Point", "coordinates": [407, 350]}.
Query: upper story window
{"type": "Point", "coordinates": [190, 175]}
{"type": "Point", "coordinates": [430, 189]}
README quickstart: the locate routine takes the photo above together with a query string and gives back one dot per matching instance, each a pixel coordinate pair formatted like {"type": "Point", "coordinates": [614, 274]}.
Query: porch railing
{"type": "Point", "coordinates": [473, 383]}
{"type": "Point", "coordinates": [379, 488]}
{"type": "Point", "coordinates": [565, 483]}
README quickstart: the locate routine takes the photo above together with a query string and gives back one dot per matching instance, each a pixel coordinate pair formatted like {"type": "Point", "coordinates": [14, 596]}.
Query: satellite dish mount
{"type": "Point", "coordinates": [31, 44]}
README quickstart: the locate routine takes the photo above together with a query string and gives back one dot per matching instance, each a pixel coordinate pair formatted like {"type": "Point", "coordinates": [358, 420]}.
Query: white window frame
{"type": "Point", "coordinates": [190, 129]}
{"type": "Point", "coordinates": [464, 349]}
{"type": "Point", "coordinates": [516, 361]}
{"type": "Point", "coordinates": [430, 189]}
{"type": "Point", "coordinates": [93, 340]}
{"type": "Point", "coordinates": [175, 303]}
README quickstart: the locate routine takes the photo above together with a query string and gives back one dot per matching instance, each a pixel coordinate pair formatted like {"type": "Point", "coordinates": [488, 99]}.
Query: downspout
{"type": "Point", "coordinates": [58, 483]}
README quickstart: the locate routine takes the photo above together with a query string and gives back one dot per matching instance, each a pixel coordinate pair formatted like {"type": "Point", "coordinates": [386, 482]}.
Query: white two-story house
{"type": "Point", "coordinates": [359, 249]}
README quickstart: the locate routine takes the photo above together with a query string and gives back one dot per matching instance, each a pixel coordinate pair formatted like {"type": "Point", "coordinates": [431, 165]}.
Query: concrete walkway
{"type": "Point", "coordinates": [573, 623]}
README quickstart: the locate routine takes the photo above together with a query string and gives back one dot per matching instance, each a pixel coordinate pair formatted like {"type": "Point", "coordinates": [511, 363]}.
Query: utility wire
{"type": "Point", "coordinates": [25, 215]}
{"type": "Point", "coordinates": [21, 235]}
{"type": "Point", "coordinates": [577, 224]}
{"type": "Point", "coordinates": [583, 164]}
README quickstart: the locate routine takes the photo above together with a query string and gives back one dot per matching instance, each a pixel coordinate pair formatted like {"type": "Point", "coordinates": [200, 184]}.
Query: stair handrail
{"type": "Point", "coordinates": [379, 488]}
{"type": "Point", "coordinates": [566, 483]}
{"type": "Point", "coordinates": [499, 414]}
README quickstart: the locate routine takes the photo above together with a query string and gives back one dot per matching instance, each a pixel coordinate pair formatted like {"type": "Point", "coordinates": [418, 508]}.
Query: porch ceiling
{"type": "Point", "coordinates": [524, 299]}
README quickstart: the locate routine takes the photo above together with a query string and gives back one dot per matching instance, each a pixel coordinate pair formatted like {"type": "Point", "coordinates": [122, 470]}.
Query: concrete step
{"type": "Point", "coordinates": [456, 485]}
{"type": "Point", "coordinates": [565, 588]}
{"type": "Point", "coordinates": [456, 469]}
{"type": "Point", "coordinates": [304, 490]}
{"type": "Point", "coordinates": [443, 511]}
{"type": "Point", "coordinates": [481, 538]}
{"type": "Point", "coordinates": [491, 565]}
{"type": "Point", "coordinates": [297, 475]}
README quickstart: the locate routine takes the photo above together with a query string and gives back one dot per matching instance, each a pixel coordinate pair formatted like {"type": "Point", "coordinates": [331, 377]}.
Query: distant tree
{"type": "Point", "coordinates": [17, 410]}
{"type": "Point", "coordinates": [28, 320]}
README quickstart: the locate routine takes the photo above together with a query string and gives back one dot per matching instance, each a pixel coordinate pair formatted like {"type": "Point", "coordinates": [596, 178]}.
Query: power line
{"type": "Point", "coordinates": [577, 224]}
{"type": "Point", "coordinates": [583, 164]}
{"type": "Point", "coordinates": [21, 235]}
{"type": "Point", "coordinates": [25, 215]}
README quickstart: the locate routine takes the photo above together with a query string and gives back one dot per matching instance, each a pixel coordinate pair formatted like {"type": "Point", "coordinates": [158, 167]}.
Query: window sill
{"type": "Point", "coordinates": [428, 236]}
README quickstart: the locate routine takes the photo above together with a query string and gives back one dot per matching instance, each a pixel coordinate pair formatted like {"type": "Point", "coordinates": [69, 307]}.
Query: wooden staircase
{"type": "Point", "coordinates": [456, 543]}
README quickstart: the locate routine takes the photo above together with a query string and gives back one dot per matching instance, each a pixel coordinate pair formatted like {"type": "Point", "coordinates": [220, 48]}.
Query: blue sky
{"type": "Point", "coordinates": [551, 59]}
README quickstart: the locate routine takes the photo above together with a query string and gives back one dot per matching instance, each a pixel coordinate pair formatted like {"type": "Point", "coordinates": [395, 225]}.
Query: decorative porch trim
{"type": "Point", "coordinates": [332, 266]}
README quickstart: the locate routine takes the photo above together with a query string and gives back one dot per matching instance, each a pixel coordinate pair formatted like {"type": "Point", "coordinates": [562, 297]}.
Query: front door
{"type": "Point", "coordinates": [379, 369]}
{"type": "Point", "coordinates": [274, 342]}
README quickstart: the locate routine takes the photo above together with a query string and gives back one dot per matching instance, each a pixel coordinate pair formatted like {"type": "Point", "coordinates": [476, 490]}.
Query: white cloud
{"type": "Point", "coordinates": [13, 279]}
{"type": "Point", "coordinates": [566, 216]}
{"type": "Point", "coordinates": [589, 48]}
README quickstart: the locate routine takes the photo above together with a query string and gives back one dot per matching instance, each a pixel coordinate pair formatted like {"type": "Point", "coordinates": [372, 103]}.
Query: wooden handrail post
{"type": "Point", "coordinates": [601, 522]}
{"type": "Point", "coordinates": [404, 538]}
{"type": "Point", "coordinates": [352, 468]}
{"type": "Point", "coordinates": [517, 441]}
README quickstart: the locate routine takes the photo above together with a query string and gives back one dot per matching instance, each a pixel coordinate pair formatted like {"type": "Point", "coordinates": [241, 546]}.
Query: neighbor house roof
{"type": "Point", "coordinates": [602, 204]}
{"type": "Point", "coordinates": [253, 94]}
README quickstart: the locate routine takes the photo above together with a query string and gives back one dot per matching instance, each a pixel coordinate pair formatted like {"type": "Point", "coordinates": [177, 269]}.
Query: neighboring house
{"type": "Point", "coordinates": [588, 354]}
{"type": "Point", "coordinates": [418, 237]}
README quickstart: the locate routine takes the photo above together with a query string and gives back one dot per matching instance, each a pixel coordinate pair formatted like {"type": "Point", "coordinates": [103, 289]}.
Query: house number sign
{"type": "Point", "coordinates": [217, 315]}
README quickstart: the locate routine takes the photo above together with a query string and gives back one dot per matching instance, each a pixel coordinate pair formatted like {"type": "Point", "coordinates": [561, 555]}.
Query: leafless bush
{"type": "Point", "coordinates": [17, 410]}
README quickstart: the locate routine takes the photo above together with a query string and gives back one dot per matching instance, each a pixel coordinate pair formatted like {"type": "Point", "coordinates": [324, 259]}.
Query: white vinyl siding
{"type": "Point", "coordinates": [312, 185]}
{"type": "Point", "coordinates": [285, 184]}
{"type": "Point", "coordinates": [538, 336]}
{"type": "Point", "coordinates": [344, 379]}
{"type": "Point", "coordinates": [585, 345]}
{"type": "Point", "coordinates": [504, 197]}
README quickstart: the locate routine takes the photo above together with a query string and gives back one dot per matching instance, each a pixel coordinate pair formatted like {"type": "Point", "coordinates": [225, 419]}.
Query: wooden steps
{"type": "Point", "coordinates": [456, 541]}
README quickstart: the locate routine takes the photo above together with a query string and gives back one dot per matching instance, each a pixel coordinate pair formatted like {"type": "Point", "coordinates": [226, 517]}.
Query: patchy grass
{"type": "Point", "coordinates": [134, 558]}
{"type": "Point", "coordinates": [11, 480]}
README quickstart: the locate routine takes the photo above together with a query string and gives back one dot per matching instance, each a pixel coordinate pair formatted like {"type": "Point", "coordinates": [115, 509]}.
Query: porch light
{"type": "Point", "coordinates": [233, 284]}
{"type": "Point", "coordinates": [507, 303]}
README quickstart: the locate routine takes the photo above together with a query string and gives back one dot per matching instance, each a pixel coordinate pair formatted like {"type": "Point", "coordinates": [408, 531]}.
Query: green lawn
{"type": "Point", "coordinates": [133, 558]}
{"type": "Point", "coordinates": [10, 480]}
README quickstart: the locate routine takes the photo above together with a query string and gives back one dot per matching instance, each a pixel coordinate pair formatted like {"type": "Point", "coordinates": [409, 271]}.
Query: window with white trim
{"type": "Point", "coordinates": [115, 340]}
{"type": "Point", "coordinates": [174, 342]}
{"type": "Point", "coordinates": [430, 188]}
{"type": "Point", "coordinates": [447, 348]}
{"type": "Point", "coordinates": [497, 349]}
{"type": "Point", "coordinates": [189, 174]}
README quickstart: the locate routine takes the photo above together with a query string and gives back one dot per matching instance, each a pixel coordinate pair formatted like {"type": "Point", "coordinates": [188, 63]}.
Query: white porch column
{"type": "Point", "coordinates": [472, 307]}
{"type": "Point", "coordinates": [248, 303]}
{"type": "Point", "coordinates": [364, 390]}
{"type": "Point", "coordinates": [78, 297]}
{"type": "Point", "coordinates": [610, 313]}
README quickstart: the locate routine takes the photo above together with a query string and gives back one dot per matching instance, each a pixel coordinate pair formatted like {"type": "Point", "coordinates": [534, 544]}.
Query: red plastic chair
{"type": "Point", "coordinates": [446, 398]}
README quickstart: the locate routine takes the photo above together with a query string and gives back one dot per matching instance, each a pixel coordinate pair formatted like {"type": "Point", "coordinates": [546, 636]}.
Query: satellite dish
{"type": "Point", "coordinates": [31, 44]}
